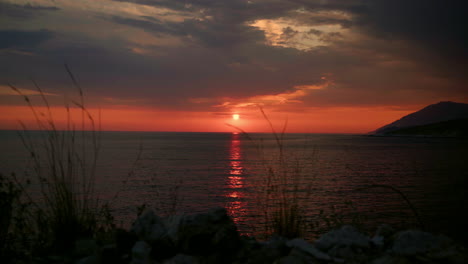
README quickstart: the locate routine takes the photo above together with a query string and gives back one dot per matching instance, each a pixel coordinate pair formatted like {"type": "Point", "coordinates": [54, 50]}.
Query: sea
{"type": "Point", "coordinates": [416, 182]}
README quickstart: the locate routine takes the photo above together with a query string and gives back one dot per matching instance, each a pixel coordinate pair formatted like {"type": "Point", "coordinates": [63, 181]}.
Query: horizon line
{"type": "Point", "coordinates": [162, 131]}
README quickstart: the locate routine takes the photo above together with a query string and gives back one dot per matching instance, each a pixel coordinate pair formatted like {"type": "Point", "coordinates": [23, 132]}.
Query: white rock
{"type": "Point", "coordinates": [387, 259]}
{"type": "Point", "coordinates": [345, 236]}
{"type": "Point", "coordinates": [302, 245]}
{"type": "Point", "coordinates": [413, 242]}
{"type": "Point", "coordinates": [172, 224]}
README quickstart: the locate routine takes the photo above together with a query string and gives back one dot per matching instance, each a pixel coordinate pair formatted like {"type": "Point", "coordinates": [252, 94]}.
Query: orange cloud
{"type": "Point", "coordinates": [287, 97]}
{"type": "Point", "coordinates": [6, 90]}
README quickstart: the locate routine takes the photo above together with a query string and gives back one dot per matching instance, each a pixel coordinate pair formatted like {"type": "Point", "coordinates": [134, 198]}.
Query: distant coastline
{"type": "Point", "coordinates": [452, 129]}
{"type": "Point", "coordinates": [443, 119]}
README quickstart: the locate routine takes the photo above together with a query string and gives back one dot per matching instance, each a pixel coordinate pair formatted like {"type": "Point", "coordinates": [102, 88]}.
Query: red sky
{"type": "Point", "coordinates": [320, 120]}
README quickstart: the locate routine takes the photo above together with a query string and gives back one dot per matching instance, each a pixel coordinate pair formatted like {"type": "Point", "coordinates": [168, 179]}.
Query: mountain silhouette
{"type": "Point", "coordinates": [430, 115]}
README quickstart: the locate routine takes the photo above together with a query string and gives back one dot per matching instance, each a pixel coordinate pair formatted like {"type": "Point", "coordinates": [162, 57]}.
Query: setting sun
{"type": "Point", "coordinates": [235, 117]}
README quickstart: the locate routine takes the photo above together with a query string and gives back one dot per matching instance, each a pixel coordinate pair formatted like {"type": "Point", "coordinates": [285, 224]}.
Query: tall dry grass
{"type": "Point", "coordinates": [63, 171]}
{"type": "Point", "coordinates": [282, 188]}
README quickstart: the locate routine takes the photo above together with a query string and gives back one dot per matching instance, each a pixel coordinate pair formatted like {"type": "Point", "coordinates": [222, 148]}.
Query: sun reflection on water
{"type": "Point", "coordinates": [235, 193]}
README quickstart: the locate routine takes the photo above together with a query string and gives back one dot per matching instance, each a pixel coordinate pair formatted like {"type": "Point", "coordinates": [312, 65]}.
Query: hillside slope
{"type": "Point", "coordinates": [432, 114]}
{"type": "Point", "coordinates": [451, 128]}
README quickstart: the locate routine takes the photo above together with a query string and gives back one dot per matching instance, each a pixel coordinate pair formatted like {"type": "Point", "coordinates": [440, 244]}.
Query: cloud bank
{"type": "Point", "coordinates": [212, 55]}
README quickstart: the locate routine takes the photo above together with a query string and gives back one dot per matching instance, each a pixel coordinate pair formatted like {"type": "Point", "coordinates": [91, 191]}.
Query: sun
{"type": "Point", "coordinates": [235, 116]}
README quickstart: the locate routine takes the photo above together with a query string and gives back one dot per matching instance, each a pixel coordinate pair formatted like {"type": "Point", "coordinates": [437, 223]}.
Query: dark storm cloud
{"type": "Point", "coordinates": [23, 39]}
{"type": "Point", "coordinates": [439, 26]}
{"type": "Point", "coordinates": [23, 11]}
{"type": "Point", "coordinates": [219, 16]}
{"type": "Point", "coordinates": [209, 33]}
{"type": "Point", "coordinates": [287, 33]}
{"type": "Point", "coordinates": [236, 10]}
{"type": "Point", "coordinates": [225, 23]}
{"type": "Point", "coordinates": [167, 81]}
{"type": "Point", "coordinates": [220, 55]}
{"type": "Point", "coordinates": [221, 34]}
{"type": "Point", "coordinates": [154, 25]}
{"type": "Point", "coordinates": [40, 8]}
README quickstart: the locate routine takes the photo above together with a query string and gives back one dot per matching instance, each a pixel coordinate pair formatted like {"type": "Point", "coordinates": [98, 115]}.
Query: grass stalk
{"type": "Point", "coordinates": [64, 170]}
{"type": "Point", "coordinates": [282, 190]}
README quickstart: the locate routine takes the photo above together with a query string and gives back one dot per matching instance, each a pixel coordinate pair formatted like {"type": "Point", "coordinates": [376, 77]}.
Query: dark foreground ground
{"type": "Point", "coordinates": [212, 237]}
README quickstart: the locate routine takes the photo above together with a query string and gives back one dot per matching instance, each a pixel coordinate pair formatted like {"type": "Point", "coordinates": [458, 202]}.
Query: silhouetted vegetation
{"type": "Point", "coordinates": [281, 188]}
{"type": "Point", "coordinates": [63, 170]}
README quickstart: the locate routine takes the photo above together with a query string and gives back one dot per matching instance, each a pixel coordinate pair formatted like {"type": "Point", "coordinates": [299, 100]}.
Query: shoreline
{"type": "Point", "coordinates": [212, 237]}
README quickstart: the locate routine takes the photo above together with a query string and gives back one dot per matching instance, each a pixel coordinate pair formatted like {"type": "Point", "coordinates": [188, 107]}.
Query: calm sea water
{"type": "Point", "coordinates": [193, 172]}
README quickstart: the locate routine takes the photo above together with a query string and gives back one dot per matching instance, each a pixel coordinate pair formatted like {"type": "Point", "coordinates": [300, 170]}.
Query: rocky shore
{"type": "Point", "coordinates": [212, 237]}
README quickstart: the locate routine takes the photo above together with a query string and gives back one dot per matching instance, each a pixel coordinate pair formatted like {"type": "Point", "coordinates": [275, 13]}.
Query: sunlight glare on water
{"type": "Point", "coordinates": [221, 169]}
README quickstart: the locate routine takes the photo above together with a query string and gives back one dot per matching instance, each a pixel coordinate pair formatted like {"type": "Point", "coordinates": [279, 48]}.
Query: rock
{"type": "Point", "coordinates": [452, 254]}
{"type": "Point", "coordinates": [291, 259]}
{"type": "Point", "coordinates": [110, 254]}
{"type": "Point", "coordinates": [262, 255]}
{"type": "Point", "coordinates": [88, 260]}
{"type": "Point", "coordinates": [382, 235]}
{"type": "Point", "coordinates": [427, 247]}
{"type": "Point", "coordinates": [345, 252]}
{"type": "Point", "coordinates": [413, 242]}
{"type": "Point", "coordinates": [182, 259]}
{"type": "Point", "coordinates": [205, 233]}
{"type": "Point", "coordinates": [345, 236]}
{"type": "Point", "coordinates": [345, 245]}
{"type": "Point", "coordinates": [124, 241]}
{"type": "Point", "coordinates": [152, 229]}
{"type": "Point", "coordinates": [378, 241]}
{"type": "Point", "coordinates": [141, 253]}
{"type": "Point", "coordinates": [305, 257]}
{"type": "Point", "coordinates": [253, 252]}
{"type": "Point", "coordinates": [385, 230]}
{"type": "Point", "coordinates": [54, 259]}
{"type": "Point", "coordinates": [85, 247]}
{"type": "Point", "coordinates": [388, 259]}
{"type": "Point", "coordinates": [277, 243]}
{"type": "Point", "coordinates": [149, 227]}
{"type": "Point", "coordinates": [163, 248]}
{"type": "Point", "coordinates": [247, 246]}
{"type": "Point", "coordinates": [303, 246]}
{"type": "Point", "coordinates": [172, 224]}
{"type": "Point", "coordinates": [212, 237]}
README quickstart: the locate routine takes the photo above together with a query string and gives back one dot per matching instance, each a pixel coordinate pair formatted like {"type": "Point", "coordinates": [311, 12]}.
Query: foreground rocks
{"type": "Point", "coordinates": [212, 237]}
